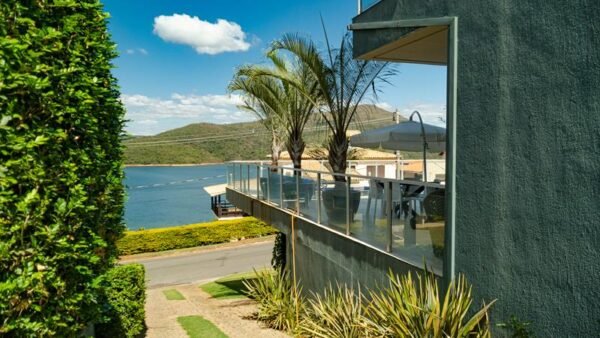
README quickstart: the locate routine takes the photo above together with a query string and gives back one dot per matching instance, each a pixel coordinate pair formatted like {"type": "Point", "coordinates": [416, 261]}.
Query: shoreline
{"type": "Point", "coordinates": [172, 165]}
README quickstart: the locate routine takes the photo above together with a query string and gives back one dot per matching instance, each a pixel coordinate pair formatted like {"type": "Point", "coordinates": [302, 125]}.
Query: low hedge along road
{"type": "Point", "coordinates": [192, 235]}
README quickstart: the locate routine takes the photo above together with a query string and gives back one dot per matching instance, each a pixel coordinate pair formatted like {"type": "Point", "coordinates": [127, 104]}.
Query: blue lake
{"type": "Point", "coordinates": [165, 196]}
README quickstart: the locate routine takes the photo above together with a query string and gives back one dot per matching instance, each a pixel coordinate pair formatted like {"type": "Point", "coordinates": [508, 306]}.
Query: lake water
{"type": "Point", "coordinates": [165, 196]}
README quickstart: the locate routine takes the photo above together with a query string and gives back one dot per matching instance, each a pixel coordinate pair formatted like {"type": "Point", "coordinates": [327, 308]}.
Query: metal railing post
{"type": "Point", "coordinates": [389, 209]}
{"type": "Point", "coordinates": [241, 180]}
{"type": "Point", "coordinates": [348, 211]}
{"type": "Point", "coordinates": [257, 182]}
{"type": "Point", "coordinates": [248, 178]}
{"type": "Point", "coordinates": [233, 175]}
{"type": "Point", "coordinates": [269, 185]}
{"type": "Point", "coordinates": [297, 174]}
{"type": "Point", "coordinates": [280, 170]}
{"type": "Point", "coordinates": [319, 198]}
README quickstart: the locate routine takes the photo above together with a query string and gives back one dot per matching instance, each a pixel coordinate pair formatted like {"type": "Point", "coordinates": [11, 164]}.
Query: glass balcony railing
{"type": "Point", "coordinates": [401, 217]}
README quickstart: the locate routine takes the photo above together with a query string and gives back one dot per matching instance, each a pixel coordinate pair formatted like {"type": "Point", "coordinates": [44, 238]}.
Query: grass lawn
{"type": "Point", "coordinates": [228, 287]}
{"type": "Point", "coordinates": [173, 294]}
{"type": "Point", "coordinates": [198, 327]}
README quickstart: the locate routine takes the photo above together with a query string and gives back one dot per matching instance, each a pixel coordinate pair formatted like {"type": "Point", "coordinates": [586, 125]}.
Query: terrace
{"type": "Point", "coordinates": [401, 218]}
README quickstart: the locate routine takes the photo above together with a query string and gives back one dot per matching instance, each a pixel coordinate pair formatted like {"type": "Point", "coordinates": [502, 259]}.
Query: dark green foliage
{"type": "Point", "coordinates": [517, 328]}
{"type": "Point", "coordinates": [279, 247]}
{"type": "Point", "coordinates": [192, 235]}
{"type": "Point", "coordinates": [125, 293]}
{"type": "Point", "coordinates": [61, 197]}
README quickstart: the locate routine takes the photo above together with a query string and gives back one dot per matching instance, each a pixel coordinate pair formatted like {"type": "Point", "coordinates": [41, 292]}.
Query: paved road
{"type": "Point", "coordinates": [193, 267]}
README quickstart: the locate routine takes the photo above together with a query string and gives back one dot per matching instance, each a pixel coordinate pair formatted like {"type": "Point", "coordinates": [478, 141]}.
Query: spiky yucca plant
{"type": "Point", "coordinates": [339, 312]}
{"type": "Point", "coordinates": [279, 300]}
{"type": "Point", "coordinates": [414, 309]}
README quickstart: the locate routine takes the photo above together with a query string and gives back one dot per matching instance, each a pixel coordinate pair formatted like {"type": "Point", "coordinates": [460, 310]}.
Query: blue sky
{"type": "Point", "coordinates": [177, 57]}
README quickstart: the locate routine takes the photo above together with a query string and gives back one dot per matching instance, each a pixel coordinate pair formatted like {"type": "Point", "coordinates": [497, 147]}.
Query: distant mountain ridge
{"type": "Point", "coordinates": [211, 143]}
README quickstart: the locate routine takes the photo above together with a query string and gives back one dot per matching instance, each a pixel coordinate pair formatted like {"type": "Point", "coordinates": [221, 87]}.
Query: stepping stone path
{"type": "Point", "coordinates": [230, 315]}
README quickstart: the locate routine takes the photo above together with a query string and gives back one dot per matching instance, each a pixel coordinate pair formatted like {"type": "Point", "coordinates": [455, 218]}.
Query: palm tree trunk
{"type": "Point", "coordinates": [338, 155]}
{"type": "Point", "coordinates": [276, 148]}
{"type": "Point", "coordinates": [295, 147]}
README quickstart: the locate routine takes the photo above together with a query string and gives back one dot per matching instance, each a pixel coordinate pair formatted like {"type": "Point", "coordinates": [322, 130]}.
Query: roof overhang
{"type": "Point", "coordinates": [215, 190]}
{"type": "Point", "coordinates": [423, 41]}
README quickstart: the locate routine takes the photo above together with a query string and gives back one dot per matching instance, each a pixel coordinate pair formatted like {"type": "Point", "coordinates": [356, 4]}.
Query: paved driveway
{"type": "Point", "coordinates": [207, 264]}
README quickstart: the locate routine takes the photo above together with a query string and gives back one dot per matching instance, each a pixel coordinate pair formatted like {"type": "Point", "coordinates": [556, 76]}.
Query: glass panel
{"type": "Point", "coordinates": [262, 185]}
{"type": "Point", "coordinates": [228, 174]}
{"type": "Point", "coordinates": [418, 225]}
{"type": "Point", "coordinates": [289, 189]}
{"type": "Point", "coordinates": [334, 205]}
{"type": "Point", "coordinates": [274, 185]}
{"type": "Point", "coordinates": [369, 224]}
{"type": "Point", "coordinates": [308, 196]}
{"type": "Point", "coordinates": [244, 178]}
{"type": "Point", "coordinates": [235, 175]}
{"type": "Point", "coordinates": [252, 170]}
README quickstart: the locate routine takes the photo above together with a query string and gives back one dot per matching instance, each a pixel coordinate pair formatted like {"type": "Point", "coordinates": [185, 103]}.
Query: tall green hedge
{"type": "Point", "coordinates": [61, 197]}
{"type": "Point", "coordinates": [125, 292]}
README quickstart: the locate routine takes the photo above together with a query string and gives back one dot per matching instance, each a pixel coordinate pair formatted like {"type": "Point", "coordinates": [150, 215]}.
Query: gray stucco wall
{"type": "Point", "coordinates": [528, 153]}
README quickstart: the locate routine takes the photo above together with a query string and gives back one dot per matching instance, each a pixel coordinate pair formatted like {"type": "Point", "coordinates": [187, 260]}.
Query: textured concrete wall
{"type": "Point", "coordinates": [324, 257]}
{"type": "Point", "coordinates": [528, 157]}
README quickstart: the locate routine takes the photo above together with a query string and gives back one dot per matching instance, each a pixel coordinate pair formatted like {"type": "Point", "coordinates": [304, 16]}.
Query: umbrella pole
{"type": "Point", "coordinates": [399, 167]}
{"type": "Point", "coordinates": [424, 144]}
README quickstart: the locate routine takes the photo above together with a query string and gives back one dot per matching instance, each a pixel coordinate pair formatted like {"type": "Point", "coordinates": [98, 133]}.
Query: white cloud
{"type": "Point", "coordinates": [431, 113]}
{"type": "Point", "coordinates": [149, 115]}
{"type": "Point", "coordinates": [205, 37]}
{"type": "Point", "coordinates": [132, 51]}
{"type": "Point", "coordinates": [385, 106]}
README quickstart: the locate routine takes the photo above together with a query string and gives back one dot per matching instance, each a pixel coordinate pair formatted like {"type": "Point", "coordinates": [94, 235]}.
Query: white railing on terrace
{"type": "Point", "coordinates": [404, 218]}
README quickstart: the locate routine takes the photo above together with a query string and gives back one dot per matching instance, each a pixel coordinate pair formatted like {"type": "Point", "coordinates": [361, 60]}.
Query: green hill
{"type": "Point", "coordinates": [207, 142]}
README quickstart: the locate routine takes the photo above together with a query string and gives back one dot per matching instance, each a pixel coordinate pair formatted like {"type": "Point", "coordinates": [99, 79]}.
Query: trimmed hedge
{"type": "Point", "coordinates": [61, 197]}
{"type": "Point", "coordinates": [192, 235]}
{"type": "Point", "coordinates": [125, 292]}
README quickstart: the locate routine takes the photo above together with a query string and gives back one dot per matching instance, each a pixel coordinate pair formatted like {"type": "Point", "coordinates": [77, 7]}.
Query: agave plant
{"type": "Point", "coordinates": [413, 309]}
{"type": "Point", "coordinates": [339, 312]}
{"type": "Point", "coordinates": [280, 303]}
{"type": "Point", "coordinates": [343, 83]}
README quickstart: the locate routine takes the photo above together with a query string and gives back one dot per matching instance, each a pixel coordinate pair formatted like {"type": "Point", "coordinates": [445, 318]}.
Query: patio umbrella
{"type": "Point", "coordinates": [406, 136]}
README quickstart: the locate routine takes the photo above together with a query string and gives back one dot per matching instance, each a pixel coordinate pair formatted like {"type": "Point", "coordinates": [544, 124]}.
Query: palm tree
{"type": "Point", "coordinates": [343, 83]}
{"type": "Point", "coordinates": [286, 89]}
{"type": "Point", "coordinates": [258, 100]}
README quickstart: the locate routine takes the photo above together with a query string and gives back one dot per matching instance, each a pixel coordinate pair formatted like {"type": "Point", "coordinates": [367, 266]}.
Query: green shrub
{"type": "Point", "coordinates": [61, 197]}
{"type": "Point", "coordinates": [192, 235]}
{"type": "Point", "coordinates": [125, 296]}
{"type": "Point", "coordinates": [279, 249]}
{"type": "Point", "coordinates": [517, 328]}
{"type": "Point", "coordinates": [280, 304]}
{"type": "Point", "coordinates": [414, 309]}
{"type": "Point", "coordinates": [403, 309]}
{"type": "Point", "coordinates": [338, 313]}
